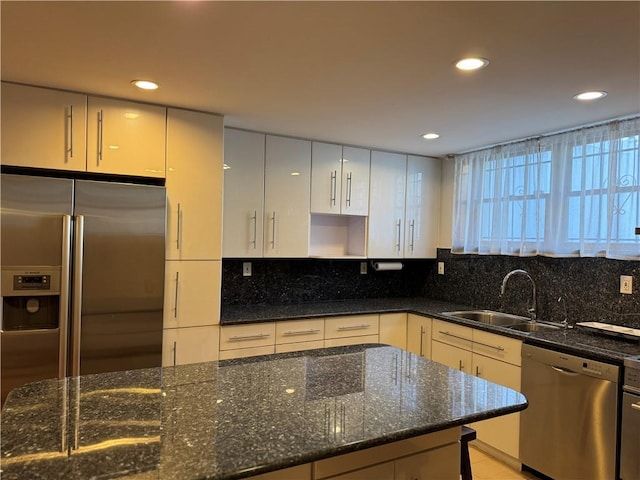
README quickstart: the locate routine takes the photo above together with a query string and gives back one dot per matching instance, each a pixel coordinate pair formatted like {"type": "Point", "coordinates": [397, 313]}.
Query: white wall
{"type": "Point", "coordinates": [446, 204]}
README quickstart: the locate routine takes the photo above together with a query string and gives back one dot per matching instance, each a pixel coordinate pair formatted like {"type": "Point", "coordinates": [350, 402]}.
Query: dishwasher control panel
{"type": "Point", "coordinates": [632, 373]}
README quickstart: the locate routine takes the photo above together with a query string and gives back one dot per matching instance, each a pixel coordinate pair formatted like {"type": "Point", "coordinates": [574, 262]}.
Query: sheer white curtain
{"type": "Point", "coordinates": [571, 194]}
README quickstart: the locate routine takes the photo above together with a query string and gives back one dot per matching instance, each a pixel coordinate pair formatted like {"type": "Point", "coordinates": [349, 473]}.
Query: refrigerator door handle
{"type": "Point", "coordinates": [77, 293]}
{"type": "Point", "coordinates": [63, 321]}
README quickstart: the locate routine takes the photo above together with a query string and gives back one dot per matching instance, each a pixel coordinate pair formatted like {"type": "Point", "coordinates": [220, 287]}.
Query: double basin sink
{"type": "Point", "coordinates": [506, 320]}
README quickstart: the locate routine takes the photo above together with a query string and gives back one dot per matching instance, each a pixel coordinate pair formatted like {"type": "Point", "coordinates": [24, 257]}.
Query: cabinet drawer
{"type": "Point", "coordinates": [245, 352]}
{"type": "Point", "coordinates": [351, 326]}
{"type": "Point", "coordinates": [341, 342]}
{"type": "Point", "coordinates": [299, 331]}
{"type": "Point", "coordinates": [452, 334]}
{"type": "Point", "coordinates": [299, 346]}
{"type": "Point", "coordinates": [498, 347]}
{"type": "Point", "coordinates": [245, 336]}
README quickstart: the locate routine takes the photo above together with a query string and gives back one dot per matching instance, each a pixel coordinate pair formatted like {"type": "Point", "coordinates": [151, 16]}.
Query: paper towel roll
{"type": "Point", "coordinates": [387, 266]}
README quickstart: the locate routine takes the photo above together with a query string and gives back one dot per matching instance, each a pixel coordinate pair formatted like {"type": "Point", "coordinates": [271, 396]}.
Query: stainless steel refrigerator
{"type": "Point", "coordinates": [82, 277]}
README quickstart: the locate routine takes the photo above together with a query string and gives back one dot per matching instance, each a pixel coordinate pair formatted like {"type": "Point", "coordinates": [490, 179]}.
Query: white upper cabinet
{"type": "Point", "coordinates": [194, 186]}
{"type": "Point", "coordinates": [43, 128]}
{"type": "Point", "coordinates": [243, 193]}
{"type": "Point", "coordinates": [287, 197]}
{"type": "Point", "coordinates": [339, 179]}
{"type": "Point", "coordinates": [422, 207]}
{"type": "Point", "coordinates": [125, 138]}
{"type": "Point", "coordinates": [386, 205]}
{"type": "Point", "coordinates": [355, 180]}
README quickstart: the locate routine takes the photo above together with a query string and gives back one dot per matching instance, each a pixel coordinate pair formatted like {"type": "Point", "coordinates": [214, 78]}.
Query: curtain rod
{"type": "Point", "coordinates": [544, 135]}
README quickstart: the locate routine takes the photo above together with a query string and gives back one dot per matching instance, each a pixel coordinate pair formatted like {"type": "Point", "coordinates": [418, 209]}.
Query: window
{"type": "Point", "coordinates": [576, 193]}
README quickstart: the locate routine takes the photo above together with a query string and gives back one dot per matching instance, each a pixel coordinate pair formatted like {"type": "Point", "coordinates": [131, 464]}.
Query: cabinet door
{"type": "Point", "coordinates": [351, 326]}
{"type": "Point", "coordinates": [384, 471]}
{"type": "Point", "coordinates": [125, 138]}
{"type": "Point", "coordinates": [194, 186]}
{"type": "Point", "coordinates": [393, 329]}
{"type": "Point", "coordinates": [441, 463]}
{"type": "Point", "coordinates": [422, 214]}
{"type": "Point", "coordinates": [386, 205]}
{"type": "Point", "coordinates": [287, 197]}
{"type": "Point", "coordinates": [43, 128]}
{"type": "Point", "coordinates": [190, 345]}
{"type": "Point", "coordinates": [419, 335]}
{"type": "Point", "coordinates": [326, 177]}
{"type": "Point", "coordinates": [451, 356]}
{"type": "Point", "coordinates": [355, 181]}
{"type": "Point", "coordinates": [502, 433]}
{"type": "Point", "coordinates": [192, 293]}
{"type": "Point", "coordinates": [243, 194]}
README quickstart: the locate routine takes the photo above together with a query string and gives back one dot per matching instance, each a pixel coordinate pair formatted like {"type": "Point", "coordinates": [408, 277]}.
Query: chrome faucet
{"type": "Point", "coordinates": [532, 309]}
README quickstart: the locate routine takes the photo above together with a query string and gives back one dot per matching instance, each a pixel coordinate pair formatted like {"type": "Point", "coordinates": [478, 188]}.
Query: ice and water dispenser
{"type": "Point", "coordinates": [30, 325]}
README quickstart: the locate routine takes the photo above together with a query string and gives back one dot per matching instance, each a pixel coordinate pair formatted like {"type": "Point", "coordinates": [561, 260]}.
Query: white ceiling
{"type": "Point", "coordinates": [375, 74]}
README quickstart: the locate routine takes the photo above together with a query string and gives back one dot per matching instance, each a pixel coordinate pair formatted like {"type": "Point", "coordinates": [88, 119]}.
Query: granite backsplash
{"type": "Point", "coordinates": [580, 289]}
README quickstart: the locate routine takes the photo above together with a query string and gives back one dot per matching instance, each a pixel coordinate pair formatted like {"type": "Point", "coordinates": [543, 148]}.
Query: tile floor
{"type": "Point", "coordinates": [485, 467]}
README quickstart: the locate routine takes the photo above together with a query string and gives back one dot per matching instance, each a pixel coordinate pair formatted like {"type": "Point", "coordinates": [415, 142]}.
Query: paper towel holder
{"type": "Point", "coordinates": [385, 266]}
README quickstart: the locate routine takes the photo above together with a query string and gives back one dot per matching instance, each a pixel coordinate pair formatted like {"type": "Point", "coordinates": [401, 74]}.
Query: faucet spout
{"type": "Point", "coordinates": [505, 280]}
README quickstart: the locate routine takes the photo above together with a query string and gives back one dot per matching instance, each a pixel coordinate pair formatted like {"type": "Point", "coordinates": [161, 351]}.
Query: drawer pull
{"type": "Point", "coordinates": [240, 338]}
{"type": "Point", "coordinates": [292, 333]}
{"type": "Point", "coordinates": [454, 336]}
{"type": "Point", "coordinates": [362, 326]}
{"type": "Point", "coordinates": [498, 348]}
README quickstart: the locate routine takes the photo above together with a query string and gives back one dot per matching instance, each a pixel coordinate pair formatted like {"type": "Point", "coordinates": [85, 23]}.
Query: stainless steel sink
{"type": "Point", "coordinates": [489, 317]}
{"type": "Point", "coordinates": [532, 327]}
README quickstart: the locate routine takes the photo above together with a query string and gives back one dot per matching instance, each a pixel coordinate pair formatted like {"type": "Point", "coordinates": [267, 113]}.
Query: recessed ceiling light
{"type": "Point", "coordinates": [431, 136]}
{"type": "Point", "coordinates": [472, 63]}
{"type": "Point", "coordinates": [592, 95]}
{"type": "Point", "coordinates": [144, 84]}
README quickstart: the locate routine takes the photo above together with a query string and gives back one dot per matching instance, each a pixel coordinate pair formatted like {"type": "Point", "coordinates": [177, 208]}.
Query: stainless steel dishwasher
{"type": "Point", "coordinates": [569, 430]}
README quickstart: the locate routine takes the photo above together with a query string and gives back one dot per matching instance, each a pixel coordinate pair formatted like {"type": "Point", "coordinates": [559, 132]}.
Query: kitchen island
{"type": "Point", "coordinates": [368, 406]}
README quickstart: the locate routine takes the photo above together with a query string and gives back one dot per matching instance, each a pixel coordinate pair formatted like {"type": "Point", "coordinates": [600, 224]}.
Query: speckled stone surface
{"type": "Point", "coordinates": [233, 419]}
{"type": "Point", "coordinates": [575, 340]}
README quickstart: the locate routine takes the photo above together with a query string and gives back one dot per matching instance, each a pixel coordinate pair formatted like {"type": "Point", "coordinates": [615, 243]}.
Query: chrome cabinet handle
{"type": "Point", "coordinates": [334, 186]}
{"type": "Point", "coordinates": [241, 338]}
{"type": "Point", "coordinates": [421, 340]}
{"type": "Point", "coordinates": [460, 365]}
{"type": "Point", "coordinates": [77, 293]}
{"type": "Point", "coordinates": [498, 348]}
{"type": "Point", "coordinates": [175, 352]}
{"type": "Point", "coordinates": [412, 226]}
{"type": "Point", "coordinates": [291, 333]}
{"type": "Point", "coordinates": [178, 227]}
{"type": "Point", "coordinates": [635, 406]}
{"type": "Point", "coordinates": [175, 310]}
{"type": "Point", "coordinates": [64, 295]}
{"type": "Point", "coordinates": [477, 371]}
{"type": "Point", "coordinates": [99, 136]}
{"type": "Point", "coordinates": [348, 201]}
{"type": "Point", "coordinates": [255, 229]}
{"type": "Point", "coordinates": [273, 231]}
{"type": "Point", "coordinates": [398, 225]}
{"type": "Point", "coordinates": [362, 326]}
{"type": "Point", "coordinates": [69, 136]}
{"type": "Point", "coordinates": [454, 336]}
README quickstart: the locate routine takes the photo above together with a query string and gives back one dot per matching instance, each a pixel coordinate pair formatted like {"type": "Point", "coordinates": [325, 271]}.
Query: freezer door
{"type": "Point", "coordinates": [32, 219]}
{"type": "Point", "coordinates": [119, 277]}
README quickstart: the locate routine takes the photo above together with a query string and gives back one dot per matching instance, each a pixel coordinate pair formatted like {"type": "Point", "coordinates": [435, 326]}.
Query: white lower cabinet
{"type": "Point", "coordinates": [351, 330]}
{"type": "Point", "coordinates": [192, 293]}
{"type": "Point", "coordinates": [237, 341]}
{"type": "Point", "coordinates": [393, 329]}
{"type": "Point", "coordinates": [493, 357]}
{"type": "Point", "coordinates": [419, 335]}
{"type": "Point", "coordinates": [190, 345]}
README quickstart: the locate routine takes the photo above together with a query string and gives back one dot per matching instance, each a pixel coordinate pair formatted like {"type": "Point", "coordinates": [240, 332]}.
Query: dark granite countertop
{"type": "Point", "coordinates": [236, 418]}
{"type": "Point", "coordinates": [576, 340]}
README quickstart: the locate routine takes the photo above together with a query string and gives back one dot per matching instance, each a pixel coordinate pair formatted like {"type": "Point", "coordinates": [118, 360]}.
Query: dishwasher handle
{"type": "Point", "coordinates": [564, 371]}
